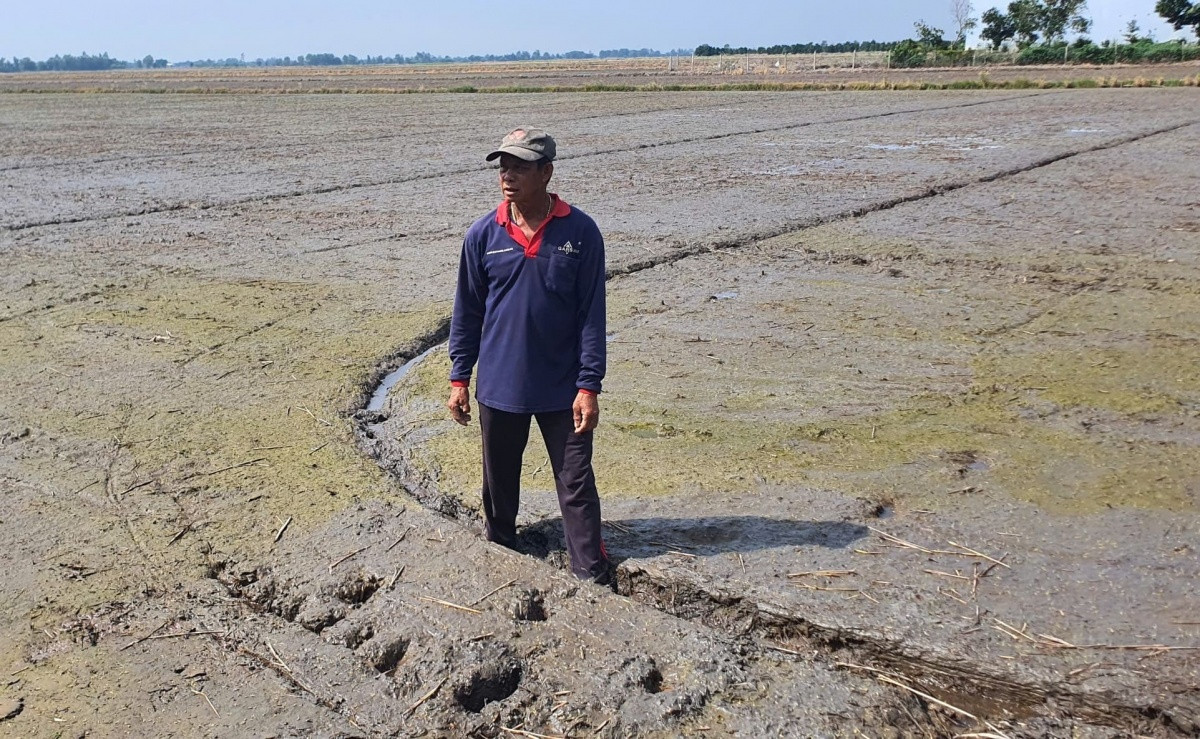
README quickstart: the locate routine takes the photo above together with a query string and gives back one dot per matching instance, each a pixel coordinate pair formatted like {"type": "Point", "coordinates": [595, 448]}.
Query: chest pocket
{"type": "Point", "coordinates": [562, 273]}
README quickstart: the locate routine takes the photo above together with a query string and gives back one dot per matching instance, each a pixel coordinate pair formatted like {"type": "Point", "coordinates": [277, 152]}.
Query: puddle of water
{"type": "Point", "coordinates": [726, 295]}
{"type": "Point", "coordinates": [379, 397]}
{"type": "Point", "coordinates": [890, 147]}
{"type": "Point", "coordinates": [979, 465]}
{"type": "Point", "coordinates": [1084, 130]}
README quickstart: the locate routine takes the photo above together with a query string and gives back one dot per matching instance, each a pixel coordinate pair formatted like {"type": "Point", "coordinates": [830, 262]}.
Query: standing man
{"type": "Point", "coordinates": [530, 310]}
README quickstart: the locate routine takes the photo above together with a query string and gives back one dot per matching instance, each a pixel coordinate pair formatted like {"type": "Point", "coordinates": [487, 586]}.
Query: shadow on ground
{"type": "Point", "coordinates": [648, 537]}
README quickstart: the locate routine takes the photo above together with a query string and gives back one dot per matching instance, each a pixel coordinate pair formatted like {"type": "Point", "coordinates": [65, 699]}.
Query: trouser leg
{"type": "Point", "coordinates": [571, 459]}
{"type": "Point", "coordinates": [504, 437]}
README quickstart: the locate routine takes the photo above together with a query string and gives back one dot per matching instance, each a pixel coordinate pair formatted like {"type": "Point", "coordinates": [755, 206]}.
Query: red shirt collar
{"type": "Point", "coordinates": [559, 209]}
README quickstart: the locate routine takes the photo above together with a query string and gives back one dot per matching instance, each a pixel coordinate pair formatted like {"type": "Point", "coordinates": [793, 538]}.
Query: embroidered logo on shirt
{"type": "Point", "coordinates": [568, 249]}
{"type": "Point", "coordinates": [499, 251]}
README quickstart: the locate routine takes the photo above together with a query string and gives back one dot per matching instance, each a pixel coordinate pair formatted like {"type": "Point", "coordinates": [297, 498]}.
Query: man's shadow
{"type": "Point", "coordinates": [699, 537]}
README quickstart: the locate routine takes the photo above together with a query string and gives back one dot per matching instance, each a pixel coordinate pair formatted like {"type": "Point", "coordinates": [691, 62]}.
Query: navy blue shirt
{"type": "Point", "coordinates": [531, 315]}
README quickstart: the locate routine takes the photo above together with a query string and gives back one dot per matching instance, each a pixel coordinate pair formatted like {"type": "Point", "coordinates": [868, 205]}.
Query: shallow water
{"type": "Point", "coordinates": [379, 397]}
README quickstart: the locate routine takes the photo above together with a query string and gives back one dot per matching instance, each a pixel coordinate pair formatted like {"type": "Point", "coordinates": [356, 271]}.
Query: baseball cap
{"type": "Point", "coordinates": [529, 144]}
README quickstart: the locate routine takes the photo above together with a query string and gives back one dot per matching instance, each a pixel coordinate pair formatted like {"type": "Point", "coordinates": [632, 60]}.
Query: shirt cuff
{"type": "Point", "coordinates": [585, 391]}
{"type": "Point", "coordinates": [460, 383]}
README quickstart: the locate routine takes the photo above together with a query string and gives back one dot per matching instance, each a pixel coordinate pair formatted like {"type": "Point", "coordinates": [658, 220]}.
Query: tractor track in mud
{"type": "Point", "coordinates": [400, 121]}
{"type": "Point", "coordinates": [749, 238]}
{"type": "Point", "coordinates": [176, 207]}
{"type": "Point", "coordinates": [797, 226]}
{"type": "Point", "coordinates": [741, 240]}
{"type": "Point", "coordinates": [740, 618]}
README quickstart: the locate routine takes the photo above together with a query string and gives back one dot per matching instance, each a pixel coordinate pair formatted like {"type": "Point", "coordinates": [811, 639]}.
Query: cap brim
{"type": "Point", "coordinates": [516, 151]}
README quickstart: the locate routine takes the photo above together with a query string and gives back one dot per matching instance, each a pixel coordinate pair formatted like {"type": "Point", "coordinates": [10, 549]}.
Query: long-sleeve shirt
{"type": "Point", "coordinates": [530, 312]}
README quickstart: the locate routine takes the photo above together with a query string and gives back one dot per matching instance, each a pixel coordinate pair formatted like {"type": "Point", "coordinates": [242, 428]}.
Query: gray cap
{"type": "Point", "coordinates": [530, 144]}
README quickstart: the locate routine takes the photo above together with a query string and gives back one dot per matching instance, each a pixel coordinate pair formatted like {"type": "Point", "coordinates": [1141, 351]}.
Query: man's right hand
{"type": "Point", "coordinates": [460, 405]}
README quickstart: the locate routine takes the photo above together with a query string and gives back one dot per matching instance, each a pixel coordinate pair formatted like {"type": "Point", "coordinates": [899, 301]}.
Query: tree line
{"type": "Point", "coordinates": [101, 62]}
{"type": "Point", "coordinates": [1027, 23]}
{"type": "Point", "coordinates": [1037, 28]}
{"type": "Point", "coordinates": [823, 47]}
{"type": "Point", "coordinates": [83, 62]}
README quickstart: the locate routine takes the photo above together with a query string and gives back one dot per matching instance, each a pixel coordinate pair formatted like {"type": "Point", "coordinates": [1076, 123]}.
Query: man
{"type": "Point", "coordinates": [529, 309]}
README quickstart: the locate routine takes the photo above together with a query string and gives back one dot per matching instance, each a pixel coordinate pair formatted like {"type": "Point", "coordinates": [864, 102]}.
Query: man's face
{"type": "Point", "coordinates": [521, 180]}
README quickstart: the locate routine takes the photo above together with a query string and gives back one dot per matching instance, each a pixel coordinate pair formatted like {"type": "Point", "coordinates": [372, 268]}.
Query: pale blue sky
{"type": "Point", "coordinates": [218, 29]}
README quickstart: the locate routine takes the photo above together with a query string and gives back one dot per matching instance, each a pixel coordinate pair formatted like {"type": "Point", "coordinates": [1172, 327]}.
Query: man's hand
{"type": "Point", "coordinates": [587, 412]}
{"type": "Point", "coordinates": [460, 405]}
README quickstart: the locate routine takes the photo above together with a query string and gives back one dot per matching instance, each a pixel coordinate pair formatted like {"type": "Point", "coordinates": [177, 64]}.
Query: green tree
{"type": "Point", "coordinates": [1059, 15]}
{"type": "Point", "coordinates": [1133, 34]}
{"type": "Point", "coordinates": [929, 37]}
{"type": "Point", "coordinates": [909, 53]}
{"type": "Point", "coordinates": [1026, 18]}
{"type": "Point", "coordinates": [1029, 21]}
{"type": "Point", "coordinates": [997, 28]}
{"type": "Point", "coordinates": [1180, 14]}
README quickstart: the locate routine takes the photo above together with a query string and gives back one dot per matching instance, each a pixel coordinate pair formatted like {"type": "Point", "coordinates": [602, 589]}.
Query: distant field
{"type": "Point", "coordinates": [820, 71]}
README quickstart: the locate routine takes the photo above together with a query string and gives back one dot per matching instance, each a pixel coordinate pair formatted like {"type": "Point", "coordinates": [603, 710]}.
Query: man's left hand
{"type": "Point", "coordinates": [587, 412]}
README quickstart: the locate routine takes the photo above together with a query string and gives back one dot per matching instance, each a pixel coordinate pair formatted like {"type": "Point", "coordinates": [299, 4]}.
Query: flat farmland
{"type": "Point", "coordinates": [869, 70]}
{"type": "Point", "coordinates": [899, 383]}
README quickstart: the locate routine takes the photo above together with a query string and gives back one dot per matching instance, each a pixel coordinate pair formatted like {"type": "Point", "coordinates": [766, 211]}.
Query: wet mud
{"type": "Point", "coordinates": [900, 413]}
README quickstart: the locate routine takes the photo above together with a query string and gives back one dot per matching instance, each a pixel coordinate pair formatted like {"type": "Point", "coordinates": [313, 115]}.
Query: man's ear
{"type": "Point", "coordinates": [548, 171]}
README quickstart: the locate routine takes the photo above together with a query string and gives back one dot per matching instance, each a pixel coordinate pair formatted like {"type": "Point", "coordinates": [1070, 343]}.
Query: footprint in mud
{"type": "Point", "coordinates": [491, 682]}
{"type": "Point", "coordinates": [329, 607]}
{"type": "Point", "coordinates": [318, 614]}
{"type": "Point", "coordinates": [264, 591]}
{"type": "Point", "coordinates": [528, 604]}
{"type": "Point", "coordinates": [350, 634]}
{"type": "Point", "coordinates": [384, 653]}
{"type": "Point", "coordinates": [476, 674]}
{"type": "Point", "coordinates": [640, 672]}
{"type": "Point", "coordinates": [358, 588]}
{"type": "Point", "coordinates": [637, 690]}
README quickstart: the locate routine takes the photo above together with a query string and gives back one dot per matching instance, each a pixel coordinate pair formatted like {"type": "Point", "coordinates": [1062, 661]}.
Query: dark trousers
{"type": "Point", "coordinates": [504, 437]}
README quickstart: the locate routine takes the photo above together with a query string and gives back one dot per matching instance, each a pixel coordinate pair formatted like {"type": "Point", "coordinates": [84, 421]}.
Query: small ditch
{"type": "Point", "coordinates": [379, 396]}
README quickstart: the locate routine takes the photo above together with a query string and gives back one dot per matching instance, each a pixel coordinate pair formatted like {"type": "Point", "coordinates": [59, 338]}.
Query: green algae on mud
{"type": "Point", "coordinates": [639, 450]}
{"type": "Point", "coordinates": [925, 456]}
{"type": "Point", "coordinates": [1139, 383]}
{"type": "Point", "coordinates": [913, 454]}
{"type": "Point", "coordinates": [189, 410]}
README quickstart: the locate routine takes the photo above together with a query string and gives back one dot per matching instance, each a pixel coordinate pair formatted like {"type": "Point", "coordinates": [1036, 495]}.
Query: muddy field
{"type": "Point", "coordinates": [899, 436]}
{"type": "Point", "coordinates": [868, 70]}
